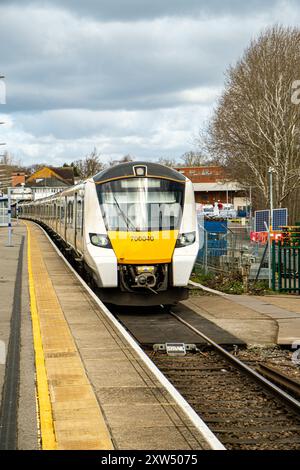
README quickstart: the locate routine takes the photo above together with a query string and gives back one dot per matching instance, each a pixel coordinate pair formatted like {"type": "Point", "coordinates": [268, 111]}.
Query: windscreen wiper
{"type": "Point", "coordinates": [125, 218]}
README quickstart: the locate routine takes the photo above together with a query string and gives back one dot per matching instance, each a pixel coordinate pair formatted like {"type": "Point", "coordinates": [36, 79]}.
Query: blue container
{"type": "Point", "coordinates": [215, 226]}
{"type": "Point", "coordinates": [216, 241]}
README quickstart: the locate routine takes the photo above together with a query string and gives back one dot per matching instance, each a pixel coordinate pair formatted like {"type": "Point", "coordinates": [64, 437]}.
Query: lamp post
{"type": "Point", "coordinates": [9, 218]}
{"type": "Point", "coordinates": [3, 101]}
{"type": "Point", "coordinates": [250, 205]}
{"type": "Point", "coordinates": [270, 172]}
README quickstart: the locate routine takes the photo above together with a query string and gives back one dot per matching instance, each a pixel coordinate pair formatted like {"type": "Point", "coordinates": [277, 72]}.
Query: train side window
{"type": "Point", "coordinates": [82, 215]}
{"type": "Point", "coordinates": [62, 211]}
{"type": "Point", "coordinates": [70, 213]}
{"type": "Point", "coordinates": [79, 214]}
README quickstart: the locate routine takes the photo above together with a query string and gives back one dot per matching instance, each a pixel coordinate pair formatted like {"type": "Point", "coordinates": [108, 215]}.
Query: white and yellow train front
{"type": "Point", "coordinates": [140, 233]}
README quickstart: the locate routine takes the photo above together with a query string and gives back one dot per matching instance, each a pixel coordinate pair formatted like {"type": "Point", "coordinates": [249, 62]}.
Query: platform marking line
{"type": "Point", "coordinates": [43, 396]}
{"type": "Point", "coordinates": [208, 289]}
{"type": "Point", "coordinates": [78, 421]}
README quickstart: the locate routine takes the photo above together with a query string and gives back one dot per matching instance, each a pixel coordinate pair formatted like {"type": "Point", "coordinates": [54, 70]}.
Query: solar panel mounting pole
{"type": "Point", "coordinates": [270, 171]}
{"type": "Point", "coordinates": [250, 207]}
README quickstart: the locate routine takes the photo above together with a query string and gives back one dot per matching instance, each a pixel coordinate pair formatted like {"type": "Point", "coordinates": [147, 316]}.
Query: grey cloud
{"type": "Point", "coordinates": [85, 123]}
{"type": "Point", "coordinates": [57, 61]}
{"type": "Point", "coordinates": [124, 10]}
{"type": "Point", "coordinates": [132, 76]}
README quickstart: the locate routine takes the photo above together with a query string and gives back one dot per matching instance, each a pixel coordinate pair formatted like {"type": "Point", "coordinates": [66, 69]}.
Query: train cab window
{"type": "Point", "coordinates": [141, 204]}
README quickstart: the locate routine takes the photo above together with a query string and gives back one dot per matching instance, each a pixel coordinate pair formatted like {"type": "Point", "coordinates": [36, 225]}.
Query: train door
{"type": "Point", "coordinates": [55, 215]}
{"type": "Point", "coordinates": [70, 220]}
{"type": "Point", "coordinates": [75, 220]}
{"type": "Point", "coordinates": [59, 224]}
{"type": "Point", "coordinates": [64, 220]}
{"type": "Point", "coordinates": [79, 222]}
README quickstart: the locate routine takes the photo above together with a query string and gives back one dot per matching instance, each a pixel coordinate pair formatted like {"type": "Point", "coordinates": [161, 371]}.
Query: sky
{"type": "Point", "coordinates": [127, 76]}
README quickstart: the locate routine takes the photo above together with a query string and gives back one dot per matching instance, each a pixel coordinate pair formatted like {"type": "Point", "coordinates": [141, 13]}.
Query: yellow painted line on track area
{"type": "Point", "coordinates": [70, 416]}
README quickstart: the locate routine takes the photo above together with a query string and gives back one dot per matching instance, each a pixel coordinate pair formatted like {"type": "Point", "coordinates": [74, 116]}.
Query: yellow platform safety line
{"type": "Point", "coordinates": [44, 403]}
{"type": "Point", "coordinates": [70, 415]}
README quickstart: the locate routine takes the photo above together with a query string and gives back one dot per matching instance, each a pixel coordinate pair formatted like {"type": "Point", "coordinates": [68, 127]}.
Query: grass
{"type": "Point", "coordinates": [229, 283]}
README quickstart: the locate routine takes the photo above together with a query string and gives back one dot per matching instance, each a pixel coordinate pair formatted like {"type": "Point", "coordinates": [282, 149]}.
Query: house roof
{"type": "Point", "coordinates": [47, 183]}
{"type": "Point", "coordinates": [65, 175]}
{"type": "Point", "coordinates": [230, 186]}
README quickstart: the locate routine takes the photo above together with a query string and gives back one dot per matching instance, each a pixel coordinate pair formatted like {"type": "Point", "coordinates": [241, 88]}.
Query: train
{"type": "Point", "coordinates": [132, 228]}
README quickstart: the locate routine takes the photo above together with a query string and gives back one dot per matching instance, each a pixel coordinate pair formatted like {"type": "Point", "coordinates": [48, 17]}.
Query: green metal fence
{"type": "Point", "coordinates": [286, 268]}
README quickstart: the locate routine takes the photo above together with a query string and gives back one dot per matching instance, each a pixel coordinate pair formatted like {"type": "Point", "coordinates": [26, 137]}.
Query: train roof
{"type": "Point", "coordinates": [131, 169]}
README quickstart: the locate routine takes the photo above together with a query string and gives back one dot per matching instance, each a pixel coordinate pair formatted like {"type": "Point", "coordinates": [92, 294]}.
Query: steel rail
{"type": "Point", "coordinates": [291, 401]}
{"type": "Point", "coordinates": [280, 378]}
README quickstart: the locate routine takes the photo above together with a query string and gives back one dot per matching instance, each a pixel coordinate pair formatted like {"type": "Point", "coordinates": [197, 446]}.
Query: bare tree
{"type": "Point", "coordinates": [8, 165]}
{"type": "Point", "coordinates": [7, 159]}
{"type": "Point", "coordinates": [35, 167]}
{"type": "Point", "coordinates": [256, 125]}
{"type": "Point", "coordinates": [193, 159]}
{"type": "Point", "coordinates": [90, 165]}
{"type": "Point", "coordinates": [170, 162]}
{"type": "Point", "coordinates": [127, 158]}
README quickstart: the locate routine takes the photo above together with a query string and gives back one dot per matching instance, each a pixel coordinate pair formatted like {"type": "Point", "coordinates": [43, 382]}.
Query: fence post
{"type": "Point", "coordinates": [205, 251]}
{"type": "Point", "coordinates": [279, 264]}
{"type": "Point", "coordinates": [294, 270]}
{"type": "Point", "coordinates": [273, 265]}
{"type": "Point", "coordinates": [298, 259]}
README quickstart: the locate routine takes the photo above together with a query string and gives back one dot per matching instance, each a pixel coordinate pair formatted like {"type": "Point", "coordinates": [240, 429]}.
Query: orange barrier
{"type": "Point", "coordinates": [262, 237]}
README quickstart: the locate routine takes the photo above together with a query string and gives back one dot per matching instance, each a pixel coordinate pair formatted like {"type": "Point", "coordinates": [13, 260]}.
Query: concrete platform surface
{"type": "Point", "coordinates": [254, 319]}
{"type": "Point", "coordinates": [102, 394]}
{"type": "Point", "coordinates": [24, 399]}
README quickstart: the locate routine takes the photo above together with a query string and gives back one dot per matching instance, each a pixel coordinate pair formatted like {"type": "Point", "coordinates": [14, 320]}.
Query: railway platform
{"type": "Point", "coordinates": [73, 378]}
{"type": "Point", "coordinates": [92, 388]}
{"type": "Point", "coordinates": [258, 320]}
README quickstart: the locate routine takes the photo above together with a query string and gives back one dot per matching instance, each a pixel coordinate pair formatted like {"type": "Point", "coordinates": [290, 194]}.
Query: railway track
{"type": "Point", "coordinates": [244, 409]}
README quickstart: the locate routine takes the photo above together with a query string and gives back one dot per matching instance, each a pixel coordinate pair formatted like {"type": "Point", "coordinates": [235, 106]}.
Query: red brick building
{"type": "Point", "coordinates": [17, 178]}
{"type": "Point", "coordinates": [210, 186]}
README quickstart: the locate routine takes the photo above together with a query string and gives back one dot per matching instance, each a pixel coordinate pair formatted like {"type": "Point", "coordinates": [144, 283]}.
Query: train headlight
{"type": "Point", "coordinates": [100, 240]}
{"type": "Point", "coordinates": [185, 239]}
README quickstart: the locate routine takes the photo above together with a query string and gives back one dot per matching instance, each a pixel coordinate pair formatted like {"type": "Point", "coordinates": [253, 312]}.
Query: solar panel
{"type": "Point", "coordinates": [261, 219]}
{"type": "Point", "coordinates": [280, 217]}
